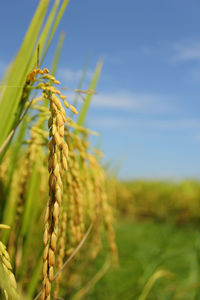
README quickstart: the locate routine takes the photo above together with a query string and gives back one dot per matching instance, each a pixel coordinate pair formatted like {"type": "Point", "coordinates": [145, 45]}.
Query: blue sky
{"type": "Point", "coordinates": [147, 109]}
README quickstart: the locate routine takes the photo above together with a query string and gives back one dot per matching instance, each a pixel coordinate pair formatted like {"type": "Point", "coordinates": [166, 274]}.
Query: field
{"type": "Point", "coordinates": [69, 228]}
{"type": "Point", "coordinates": [144, 249]}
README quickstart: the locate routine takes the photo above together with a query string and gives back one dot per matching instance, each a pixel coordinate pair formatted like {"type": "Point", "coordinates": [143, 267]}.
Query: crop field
{"type": "Point", "coordinates": [69, 227]}
{"type": "Point", "coordinates": [157, 261]}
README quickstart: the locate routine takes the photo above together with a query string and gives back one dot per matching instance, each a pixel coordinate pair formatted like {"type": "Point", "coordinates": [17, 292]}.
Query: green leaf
{"type": "Point", "coordinates": [13, 91]}
{"type": "Point", "coordinates": [93, 84]}
{"type": "Point", "coordinates": [55, 25]}
{"type": "Point", "coordinates": [46, 31]}
{"type": "Point", "coordinates": [80, 84]}
{"type": "Point", "coordinates": [57, 53]}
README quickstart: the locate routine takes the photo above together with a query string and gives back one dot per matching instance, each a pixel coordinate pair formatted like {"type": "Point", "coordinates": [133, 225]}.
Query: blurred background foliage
{"type": "Point", "coordinates": [157, 231]}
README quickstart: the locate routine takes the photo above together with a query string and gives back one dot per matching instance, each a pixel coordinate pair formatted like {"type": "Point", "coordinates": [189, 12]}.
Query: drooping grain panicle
{"type": "Point", "coordinates": [27, 163]}
{"type": "Point", "coordinates": [103, 206]}
{"type": "Point", "coordinates": [71, 216]}
{"type": "Point", "coordinates": [75, 189]}
{"type": "Point", "coordinates": [7, 278]}
{"type": "Point", "coordinates": [19, 184]}
{"type": "Point", "coordinates": [96, 241]}
{"type": "Point", "coordinates": [61, 249]}
{"type": "Point", "coordinates": [80, 144]}
{"type": "Point", "coordinates": [77, 193]}
{"type": "Point", "coordinates": [57, 163]}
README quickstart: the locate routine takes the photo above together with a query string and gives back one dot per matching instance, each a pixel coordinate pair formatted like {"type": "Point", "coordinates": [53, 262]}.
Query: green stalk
{"type": "Point", "coordinates": [88, 98]}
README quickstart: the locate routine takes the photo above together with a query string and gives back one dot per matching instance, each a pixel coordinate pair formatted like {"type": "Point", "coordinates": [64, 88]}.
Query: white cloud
{"type": "Point", "coordinates": [140, 123]}
{"type": "Point", "coordinates": [186, 51]}
{"type": "Point", "coordinates": [69, 75]}
{"type": "Point", "coordinates": [147, 103]}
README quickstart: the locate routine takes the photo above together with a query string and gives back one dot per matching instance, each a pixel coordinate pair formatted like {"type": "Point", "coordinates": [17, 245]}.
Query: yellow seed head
{"type": "Point", "coordinates": [48, 287]}
{"type": "Point", "coordinates": [45, 70]}
{"type": "Point", "coordinates": [45, 254]}
{"type": "Point", "coordinates": [63, 97]}
{"type": "Point", "coordinates": [58, 196]}
{"type": "Point", "coordinates": [56, 171]}
{"type": "Point", "coordinates": [56, 211]}
{"type": "Point", "coordinates": [44, 270]}
{"type": "Point", "coordinates": [54, 129]}
{"type": "Point", "coordinates": [40, 72]}
{"type": "Point", "coordinates": [66, 104]}
{"type": "Point", "coordinates": [12, 279]}
{"type": "Point", "coordinates": [46, 214]}
{"type": "Point", "coordinates": [73, 109]}
{"type": "Point", "coordinates": [52, 182]}
{"type": "Point", "coordinates": [51, 257]}
{"type": "Point", "coordinates": [53, 161]}
{"type": "Point", "coordinates": [56, 81]}
{"type": "Point", "coordinates": [51, 146]}
{"type": "Point", "coordinates": [59, 119]}
{"type": "Point", "coordinates": [40, 86]}
{"type": "Point", "coordinates": [65, 149]}
{"type": "Point", "coordinates": [51, 274]}
{"type": "Point", "coordinates": [61, 130]}
{"type": "Point", "coordinates": [45, 237]}
{"type": "Point", "coordinates": [64, 163]}
{"type": "Point", "coordinates": [56, 102]}
{"type": "Point", "coordinates": [58, 139]}
{"type": "Point", "coordinates": [48, 76]}
{"type": "Point", "coordinates": [53, 241]}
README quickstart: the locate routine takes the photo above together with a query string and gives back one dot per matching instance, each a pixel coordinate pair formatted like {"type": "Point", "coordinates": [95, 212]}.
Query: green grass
{"type": "Point", "coordinates": [145, 248]}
